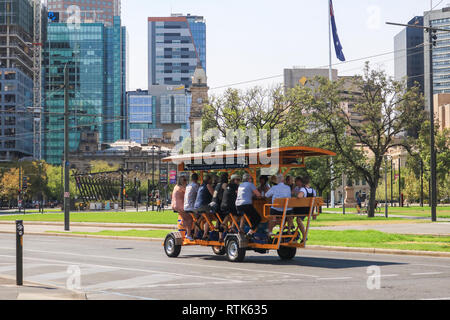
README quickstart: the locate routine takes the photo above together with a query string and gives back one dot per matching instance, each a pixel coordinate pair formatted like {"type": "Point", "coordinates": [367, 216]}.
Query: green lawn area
{"type": "Point", "coordinates": [348, 238]}
{"type": "Point", "coordinates": [169, 217]}
{"type": "Point", "coordinates": [442, 212]}
{"type": "Point", "coordinates": [377, 239]}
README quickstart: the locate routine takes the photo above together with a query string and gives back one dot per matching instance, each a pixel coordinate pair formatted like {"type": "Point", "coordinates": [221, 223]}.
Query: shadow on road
{"type": "Point", "coordinates": [328, 263]}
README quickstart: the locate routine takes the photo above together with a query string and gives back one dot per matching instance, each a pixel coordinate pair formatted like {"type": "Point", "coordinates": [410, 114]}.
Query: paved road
{"type": "Point", "coordinates": [118, 269]}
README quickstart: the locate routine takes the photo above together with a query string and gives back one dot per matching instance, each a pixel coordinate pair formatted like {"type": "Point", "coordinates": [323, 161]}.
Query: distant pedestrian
{"type": "Point", "coordinates": [358, 203]}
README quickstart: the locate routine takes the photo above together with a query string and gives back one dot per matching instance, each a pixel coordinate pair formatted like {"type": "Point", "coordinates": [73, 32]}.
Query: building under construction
{"type": "Point", "coordinates": [20, 59]}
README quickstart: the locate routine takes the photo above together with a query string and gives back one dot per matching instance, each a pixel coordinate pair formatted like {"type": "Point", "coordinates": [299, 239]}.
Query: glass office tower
{"type": "Point", "coordinates": [176, 45]}
{"type": "Point", "coordinates": [441, 53]}
{"type": "Point", "coordinates": [157, 113]}
{"type": "Point", "coordinates": [93, 54]}
{"type": "Point", "coordinates": [409, 61]}
{"type": "Point", "coordinates": [102, 11]}
{"type": "Point", "coordinates": [16, 79]}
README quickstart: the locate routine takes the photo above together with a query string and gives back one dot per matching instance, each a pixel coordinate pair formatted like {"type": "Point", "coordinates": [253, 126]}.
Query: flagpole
{"type": "Point", "coordinates": [330, 73]}
{"type": "Point", "coordinates": [330, 76]}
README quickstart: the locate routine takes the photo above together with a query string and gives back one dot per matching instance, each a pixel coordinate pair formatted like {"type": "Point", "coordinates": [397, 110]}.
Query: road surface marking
{"type": "Point", "coordinates": [431, 265]}
{"type": "Point", "coordinates": [170, 263]}
{"type": "Point", "coordinates": [337, 278]}
{"type": "Point", "coordinates": [122, 268]}
{"type": "Point", "coordinates": [64, 274]}
{"type": "Point", "coordinates": [131, 283]}
{"type": "Point", "coordinates": [448, 298]}
{"type": "Point", "coordinates": [425, 273]}
{"type": "Point", "coordinates": [122, 295]}
{"type": "Point", "coordinates": [388, 275]}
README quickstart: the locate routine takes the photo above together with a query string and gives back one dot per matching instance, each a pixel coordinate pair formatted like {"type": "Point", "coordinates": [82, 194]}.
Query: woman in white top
{"type": "Point", "coordinates": [305, 192]}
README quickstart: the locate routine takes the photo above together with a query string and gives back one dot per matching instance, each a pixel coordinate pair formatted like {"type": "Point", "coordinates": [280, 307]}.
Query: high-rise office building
{"type": "Point", "coordinates": [176, 45]}
{"type": "Point", "coordinates": [89, 11]}
{"type": "Point", "coordinates": [304, 76]}
{"type": "Point", "coordinates": [16, 79]}
{"type": "Point", "coordinates": [441, 53]}
{"type": "Point", "coordinates": [158, 112]}
{"type": "Point", "coordinates": [94, 55]}
{"type": "Point", "coordinates": [409, 59]}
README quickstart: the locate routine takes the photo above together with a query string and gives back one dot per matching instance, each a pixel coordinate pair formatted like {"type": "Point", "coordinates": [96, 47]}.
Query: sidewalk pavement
{"type": "Point", "coordinates": [34, 227]}
{"type": "Point", "coordinates": [35, 291]}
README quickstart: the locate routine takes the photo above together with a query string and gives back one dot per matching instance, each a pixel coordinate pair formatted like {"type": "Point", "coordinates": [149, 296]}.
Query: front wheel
{"type": "Point", "coordinates": [287, 253]}
{"type": "Point", "coordinates": [234, 253]}
{"type": "Point", "coordinates": [170, 247]}
{"type": "Point", "coordinates": [220, 251]}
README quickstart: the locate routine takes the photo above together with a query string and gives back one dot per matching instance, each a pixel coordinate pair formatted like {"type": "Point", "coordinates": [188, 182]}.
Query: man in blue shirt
{"type": "Point", "coordinates": [281, 190]}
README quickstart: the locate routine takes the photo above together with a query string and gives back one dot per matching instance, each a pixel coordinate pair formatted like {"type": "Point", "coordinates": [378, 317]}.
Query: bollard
{"type": "Point", "coordinates": [19, 252]}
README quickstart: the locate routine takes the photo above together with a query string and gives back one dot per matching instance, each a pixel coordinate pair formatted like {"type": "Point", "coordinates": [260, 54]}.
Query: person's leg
{"type": "Point", "coordinates": [254, 218]}
{"type": "Point", "coordinates": [301, 227]}
{"type": "Point", "coordinates": [290, 221]}
{"type": "Point", "coordinates": [205, 230]}
{"type": "Point", "coordinates": [197, 226]}
{"type": "Point", "coordinates": [187, 222]}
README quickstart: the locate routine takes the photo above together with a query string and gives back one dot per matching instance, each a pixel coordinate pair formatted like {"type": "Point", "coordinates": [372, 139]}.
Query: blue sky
{"type": "Point", "coordinates": [253, 39]}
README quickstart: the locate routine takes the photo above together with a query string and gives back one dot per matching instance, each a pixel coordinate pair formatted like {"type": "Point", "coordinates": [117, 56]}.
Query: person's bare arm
{"type": "Point", "coordinates": [210, 189]}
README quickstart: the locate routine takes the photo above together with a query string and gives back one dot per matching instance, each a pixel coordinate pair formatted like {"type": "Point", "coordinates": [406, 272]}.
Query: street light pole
{"type": "Point", "coordinates": [421, 182]}
{"type": "Point", "coordinates": [153, 176]}
{"type": "Point", "coordinates": [432, 138]}
{"type": "Point", "coordinates": [392, 182]}
{"type": "Point", "coordinates": [66, 151]}
{"type": "Point", "coordinates": [400, 203]}
{"type": "Point", "coordinates": [385, 189]}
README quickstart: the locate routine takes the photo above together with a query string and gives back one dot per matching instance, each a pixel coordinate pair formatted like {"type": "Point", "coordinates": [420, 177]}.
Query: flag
{"type": "Point", "coordinates": [337, 43]}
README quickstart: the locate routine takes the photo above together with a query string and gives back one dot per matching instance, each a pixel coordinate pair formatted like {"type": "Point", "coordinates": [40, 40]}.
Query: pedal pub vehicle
{"type": "Point", "coordinates": [235, 243]}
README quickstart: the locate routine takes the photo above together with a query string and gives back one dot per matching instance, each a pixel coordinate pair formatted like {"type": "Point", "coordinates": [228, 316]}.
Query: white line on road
{"type": "Point", "coordinates": [448, 298]}
{"type": "Point", "coordinates": [337, 278]}
{"type": "Point", "coordinates": [169, 263]}
{"type": "Point", "coordinates": [129, 269]}
{"type": "Point", "coordinates": [123, 295]}
{"type": "Point", "coordinates": [388, 275]}
{"type": "Point", "coordinates": [425, 273]}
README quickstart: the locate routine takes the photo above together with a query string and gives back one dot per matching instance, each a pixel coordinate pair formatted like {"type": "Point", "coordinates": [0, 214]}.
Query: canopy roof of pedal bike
{"type": "Point", "coordinates": [288, 157]}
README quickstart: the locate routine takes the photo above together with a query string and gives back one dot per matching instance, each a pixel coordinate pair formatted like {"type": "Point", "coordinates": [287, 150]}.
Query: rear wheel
{"type": "Point", "coordinates": [234, 253]}
{"type": "Point", "coordinates": [170, 247]}
{"type": "Point", "coordinates": [287, 253]}
{"type": "Point", "coordinates": [220, 251]}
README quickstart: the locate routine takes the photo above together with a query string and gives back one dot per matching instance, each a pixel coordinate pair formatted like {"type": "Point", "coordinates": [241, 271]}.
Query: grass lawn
{"type": "Point", "coordinates": [169, 217]}
{"type": "Point", "coordinates": [377, 239]}
{"type": "Point", "coordinates": [442, 212]}
{"type": "Point", "coordinates": [348, 238]}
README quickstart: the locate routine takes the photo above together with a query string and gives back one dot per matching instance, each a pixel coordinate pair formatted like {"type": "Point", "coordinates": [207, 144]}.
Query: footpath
{"type": "Point", "coordinates": [35, 291]}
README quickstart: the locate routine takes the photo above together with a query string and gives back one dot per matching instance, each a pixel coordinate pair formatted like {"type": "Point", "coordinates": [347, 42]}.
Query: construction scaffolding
{"type": "Point", "coordinates": [37, 79]}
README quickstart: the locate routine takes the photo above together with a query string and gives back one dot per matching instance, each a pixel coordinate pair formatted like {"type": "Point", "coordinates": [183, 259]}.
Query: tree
{"type": "Point", "coordinates": [385, 108]}
{"type": "Point", "coordinates": [9, 187]}
{"type": "Point", "coordinates": [422, 153]}
{"type": "Point", "coordinates": [102, 166]}
{"type": "Point", "coordinates": [256, 108]}
{"type": "Point", "coordinates": [55, 186]}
